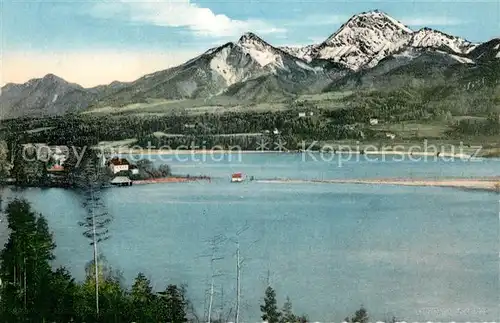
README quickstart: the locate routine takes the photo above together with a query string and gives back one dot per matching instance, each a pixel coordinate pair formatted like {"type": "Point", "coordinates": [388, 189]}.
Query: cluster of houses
{"type": "Point", "coordinates": [374, 121]}
{"type": "Point", "coordinates": [54, 156]}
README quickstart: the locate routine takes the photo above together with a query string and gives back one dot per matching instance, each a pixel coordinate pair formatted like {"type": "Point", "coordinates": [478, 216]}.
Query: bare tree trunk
{"type": "Point", "coordinates": [25, 300]}
{"type": "Point", "coordinates": [96, 264]}
{"type": "Point", "coordinates": [239, 262]}
{"type": "Point", "coordinates": [221, 303]}
{"type": "Point", "coordinates": [215, 247]}
{"type": "Point", "coordinates": [210, 302]}
{"type": "Point", "coordinates": [238, 286]}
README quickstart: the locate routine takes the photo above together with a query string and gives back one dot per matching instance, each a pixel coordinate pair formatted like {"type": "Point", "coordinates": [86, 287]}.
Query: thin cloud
{"type": "Point", "coordinates": [181, 14]}
{"type": "Point", "coordinates": [432, 21]}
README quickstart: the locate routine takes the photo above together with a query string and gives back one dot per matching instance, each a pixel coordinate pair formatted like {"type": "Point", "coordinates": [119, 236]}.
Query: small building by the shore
{"type": "Point", "coordinates": [118, 164]}
{"type": "Point", "coordinates": [236, 178]}
{"type": "Point", "coordinates": [121, 181]}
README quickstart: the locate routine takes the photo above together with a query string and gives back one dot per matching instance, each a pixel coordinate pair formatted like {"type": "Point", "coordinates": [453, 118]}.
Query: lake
{"type": "Point", "coordinates": [419, 253]}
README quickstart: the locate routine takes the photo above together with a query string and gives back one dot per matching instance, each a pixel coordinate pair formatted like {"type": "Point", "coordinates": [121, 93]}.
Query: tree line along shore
{"type": "Point", "coordinates": [25, 167]}
{"type": "Point", "coordinates": [28, 170]}
{"type": "Point", "coordinates": [391, 125]}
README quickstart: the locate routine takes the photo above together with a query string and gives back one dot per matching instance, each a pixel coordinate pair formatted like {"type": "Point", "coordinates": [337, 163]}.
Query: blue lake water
{"type": "Point", "coordinates": [417, 253]}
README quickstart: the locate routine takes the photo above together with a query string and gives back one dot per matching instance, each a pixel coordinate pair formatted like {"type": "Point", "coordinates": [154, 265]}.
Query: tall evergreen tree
{"type": "Point", "coordinates": [173, 305]}
{"type": "Point", "coordinates": [72, 166]}
{"type": "Point", "coordinates": [269, 309]}
{"type": "Point", "coordinates": [90, 181]}
{"type": "Point", "coordinates": [142, 300]}
{"type": "Point", "coordinates": [62, 303]}
{"type": "Point", "coordinates": [113, 301]}
{"type": "Point", "coordinates": [25, 270]}
{"type": "Point", "coordinates": [287, 312]}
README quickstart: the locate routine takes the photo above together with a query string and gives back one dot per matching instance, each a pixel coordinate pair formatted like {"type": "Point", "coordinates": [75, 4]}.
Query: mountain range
{"type": "Point", "coordinates": [370, 49]}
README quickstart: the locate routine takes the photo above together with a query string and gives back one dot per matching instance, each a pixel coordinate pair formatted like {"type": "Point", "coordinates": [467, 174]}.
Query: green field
{"type": "Point", "coordinates": [412, 129]}
{"type": "Point", "coordinates": [330, 100]}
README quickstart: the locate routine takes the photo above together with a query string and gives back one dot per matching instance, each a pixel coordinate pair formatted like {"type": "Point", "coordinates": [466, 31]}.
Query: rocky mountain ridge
{"type": "Point", "coordinates": [251, 70]}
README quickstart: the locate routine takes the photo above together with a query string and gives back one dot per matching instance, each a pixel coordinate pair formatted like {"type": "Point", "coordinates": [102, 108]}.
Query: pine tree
{"type": "Point", "coordinates": [360, 316]}
{"type": "Point", "coordinates": [26, 269]}
{"type": "Point", "coordinates": [142, 300]}
{"type": "Point", "coordinates": [91, 181]}
{"type": "Point", "coordinates": [173, 305]}
{"type": "Point", "coordinates": [4, 159]}
{"type": "Point", "coordinates": [113, 303]}
{"type": "Point", "coordinates": [287, 313]}
{"type": "Point", "coordinates": [270, 312]}
{"type": "Point", "coordinates": [63, 291]}
{"type": "Point", "coordinates": [71, 167]}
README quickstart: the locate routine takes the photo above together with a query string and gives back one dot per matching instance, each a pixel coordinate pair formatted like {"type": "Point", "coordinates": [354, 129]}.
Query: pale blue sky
{"type": "Point", "coordinates": [142, 36]}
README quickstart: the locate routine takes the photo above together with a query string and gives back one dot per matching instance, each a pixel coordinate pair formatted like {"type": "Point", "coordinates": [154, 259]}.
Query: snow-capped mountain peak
{"type": "Point", "coordinates": [261, 51]}
{"type": "Point", "coordinates": [375, 20]}
{"type": "Point", "coordinates": [427, 37]}
{"type": "Point", "coordinates": [231, 63]}
{"type": "Point", "coordinates": [364, 39]}
{"type": "Point", "coordinates": [249, 57]}
{"type": "Point", "coordinates": [367, 38]}
{"type": "Point", "coordinates": [376, 14]}
{"type": "Point", "coordinates": [250, 37]}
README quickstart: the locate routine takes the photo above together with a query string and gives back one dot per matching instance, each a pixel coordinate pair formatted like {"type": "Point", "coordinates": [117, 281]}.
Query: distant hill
{"type": "Point", "coordinates": [50, 95]}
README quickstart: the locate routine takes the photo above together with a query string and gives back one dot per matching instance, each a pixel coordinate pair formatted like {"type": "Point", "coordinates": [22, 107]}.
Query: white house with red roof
{"type": "Point", "coordinates": [117, 164]}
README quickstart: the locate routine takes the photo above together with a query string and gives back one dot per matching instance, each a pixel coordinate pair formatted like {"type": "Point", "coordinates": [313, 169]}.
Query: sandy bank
{"type": "Point", "coordinates": [487, 184]}
{"type": "Point", "coordinates": [170, 180]}
{"type": "Point", "coordinates": [188, 152]}
{"type": "Point", "coordinates": [219, 152]}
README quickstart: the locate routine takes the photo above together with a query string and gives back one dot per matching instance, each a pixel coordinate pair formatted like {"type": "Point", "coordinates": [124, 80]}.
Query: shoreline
{"type": "Point", "coordinates": [174, 179]}
{"type": "Point", "coordinates": [160, 152]}
{"type": "Point", "coordinates": [484, 184]}
{"type": "Point", "coordinates": [190, 152]}
{"type": "Point", "coordinates": [489, 184]}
